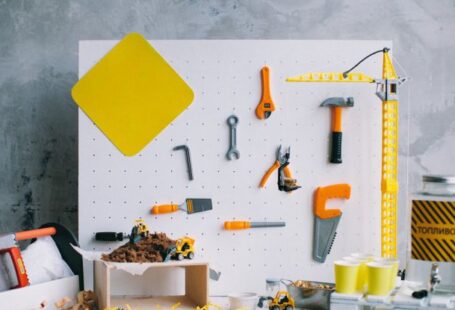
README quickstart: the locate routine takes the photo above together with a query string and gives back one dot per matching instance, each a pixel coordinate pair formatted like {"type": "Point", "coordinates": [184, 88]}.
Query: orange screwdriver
{"type": "Point", "coordinates": [235, 225]}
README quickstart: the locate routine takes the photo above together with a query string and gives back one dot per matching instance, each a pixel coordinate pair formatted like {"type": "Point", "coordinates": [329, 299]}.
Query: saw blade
{"type": "Point", "coordinates": [324, 236]}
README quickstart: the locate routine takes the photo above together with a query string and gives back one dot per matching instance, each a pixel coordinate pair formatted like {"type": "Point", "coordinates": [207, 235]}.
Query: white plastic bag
{"type": "Point", "coordinates": [43, 261]}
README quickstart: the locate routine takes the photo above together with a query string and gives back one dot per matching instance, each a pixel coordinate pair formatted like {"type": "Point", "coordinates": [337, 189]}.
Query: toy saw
{"type": "Point", "coordinates": [326, 220]}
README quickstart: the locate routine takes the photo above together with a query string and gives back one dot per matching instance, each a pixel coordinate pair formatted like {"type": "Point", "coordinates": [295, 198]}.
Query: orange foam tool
{"type": "Point", "coordinates": [35, 233]}
{"type": "Point", "coordinates": [322, 194]}
{"type": "Point", "coordinates": [235, 225]}
{"type": "Point", "coordinates": [266, 105]}
{"type": "Point", "coordinates": [275, 166]}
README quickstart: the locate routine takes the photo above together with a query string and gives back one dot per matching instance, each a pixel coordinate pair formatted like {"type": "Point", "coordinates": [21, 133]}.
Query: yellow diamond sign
{"type": "Point", "coordinates": [132, 94]}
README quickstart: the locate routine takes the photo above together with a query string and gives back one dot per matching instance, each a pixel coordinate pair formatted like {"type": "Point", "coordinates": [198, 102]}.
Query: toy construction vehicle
{"type": "Point", "coordinates": [139, 231]}
{"type": "Point", "coordinates": [184, 248]}
{"type": "Point", "coordinates": [282, 301]}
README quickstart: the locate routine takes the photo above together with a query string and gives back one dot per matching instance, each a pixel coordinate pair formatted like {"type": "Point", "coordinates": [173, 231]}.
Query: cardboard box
{"type": "Point", "coordinates": [163, 284]}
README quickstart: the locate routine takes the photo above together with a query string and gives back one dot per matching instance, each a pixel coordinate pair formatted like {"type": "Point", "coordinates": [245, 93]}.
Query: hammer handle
{"type": "Point", "coordinates": [109, 236]}
{"type": "Point", "coordinates": [35, 233]}
{"type": "Point", "coordinates": [335, 153]}
{"type": "Point", "coordinates": [337, 135]}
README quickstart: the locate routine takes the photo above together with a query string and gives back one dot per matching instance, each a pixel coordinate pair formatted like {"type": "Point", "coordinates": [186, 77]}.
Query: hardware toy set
{"type": "Point", "coordinates": [144, 246]}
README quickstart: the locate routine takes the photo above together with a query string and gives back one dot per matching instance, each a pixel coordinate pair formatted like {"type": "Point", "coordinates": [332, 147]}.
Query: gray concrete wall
{"type": "Point", "coordinates": [38, 66]}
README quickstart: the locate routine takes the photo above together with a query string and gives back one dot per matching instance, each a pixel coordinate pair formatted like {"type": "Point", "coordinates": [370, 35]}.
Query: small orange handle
{"type": "Point", "coordinates": [276, 165]}
{"type": "Point", "coordinates": [322, 194]}
{"type": "Point", "coordinates": [35, 233]}
{"type": "Point", "coordinates": [161, 209]}
{"type": "Point", "coordinates": [266, 98]}
{"type": "Point", "coordinates": [19, 268]}
{"type": "Point", "coordinates": [336, 119]}
{"type": "Point", "coordinates": [287, 172]}
{"type": "Point", "coordinates": [234, 225]}
{"type": "Point", "coordinates": [266, 176]}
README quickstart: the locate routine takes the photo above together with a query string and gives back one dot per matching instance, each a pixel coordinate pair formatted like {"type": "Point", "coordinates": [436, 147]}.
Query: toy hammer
{"type": "Point", "coordinates": [337, 104]}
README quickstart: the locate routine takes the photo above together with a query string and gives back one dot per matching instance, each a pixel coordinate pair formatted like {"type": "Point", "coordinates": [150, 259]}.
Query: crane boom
{"type": "Point", "coordinates": [332, 77]}
{"type": "Point", "coordinates": [387, 91]}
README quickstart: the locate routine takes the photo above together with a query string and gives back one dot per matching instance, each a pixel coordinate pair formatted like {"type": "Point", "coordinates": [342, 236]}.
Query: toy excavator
{"type": "Point", "coordinates": [139, 231]}
{"type": "Point", "coordinates": [282, 301]}
{"type": "Point", "coordinates": [184, 248]}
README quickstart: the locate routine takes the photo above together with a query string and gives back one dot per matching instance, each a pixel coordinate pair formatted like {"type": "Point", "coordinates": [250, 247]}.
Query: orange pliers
{"type": "Point", "coordinates": [285, 181]}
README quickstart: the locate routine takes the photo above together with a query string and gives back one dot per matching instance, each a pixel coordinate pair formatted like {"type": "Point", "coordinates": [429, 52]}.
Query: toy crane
{"type": "Point", "coordinates": [386, 90]}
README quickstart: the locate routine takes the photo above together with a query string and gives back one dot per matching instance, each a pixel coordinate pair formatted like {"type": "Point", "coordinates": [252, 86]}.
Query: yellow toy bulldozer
{"type": "Point", "coordinates": [184, 248]}
{"type": "Point", "coordinates": [139, 231]}
{"type": "Point", "coordinates": [282, 301]}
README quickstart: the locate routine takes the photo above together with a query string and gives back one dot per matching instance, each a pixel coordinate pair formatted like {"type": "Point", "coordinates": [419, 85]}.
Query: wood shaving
{"type": "Point", "coordinates": [312, 285]}
{"type": "Point", "coordinates": [153, 248]}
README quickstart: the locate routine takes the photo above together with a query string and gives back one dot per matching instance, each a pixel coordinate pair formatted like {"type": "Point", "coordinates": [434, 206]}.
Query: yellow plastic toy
{"type": "Point", "coordinates": [132, 94]}
{"type": "Point", "coordinates": [139, 231]}
{"type": "Point", "coordinates": [387, 89]}
{"type": "Point", "coordinates": [282, 301]}
{"type": "Point", "coordinates": [184, 248]}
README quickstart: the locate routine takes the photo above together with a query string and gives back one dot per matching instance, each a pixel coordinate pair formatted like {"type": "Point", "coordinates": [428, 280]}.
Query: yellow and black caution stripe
{"type": "Point", "coordinates": [433, 230]}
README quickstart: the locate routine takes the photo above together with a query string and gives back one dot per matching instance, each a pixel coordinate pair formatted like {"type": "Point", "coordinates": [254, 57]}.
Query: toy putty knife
{"type": "Point", "coordinates": [326, 220]}
{"type": "Point", "coordinates": [191, 205]}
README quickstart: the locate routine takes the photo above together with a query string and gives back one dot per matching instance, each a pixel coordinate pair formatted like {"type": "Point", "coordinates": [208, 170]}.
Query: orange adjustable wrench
{"type": "Point", "coordinates": [266, 105]}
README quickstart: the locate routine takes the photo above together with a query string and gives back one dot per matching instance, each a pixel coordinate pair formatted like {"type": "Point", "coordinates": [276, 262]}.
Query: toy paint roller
{"type": "Point", "coordinates": [9, 246]}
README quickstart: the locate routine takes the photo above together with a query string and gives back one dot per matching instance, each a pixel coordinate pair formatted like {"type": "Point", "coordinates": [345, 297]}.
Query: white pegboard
{"type": "Point", "coordinates": [114, 190]}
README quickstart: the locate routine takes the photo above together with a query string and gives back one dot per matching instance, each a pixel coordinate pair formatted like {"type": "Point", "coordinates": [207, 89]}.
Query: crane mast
{"type": "Point", "coordinates": [386, 90]}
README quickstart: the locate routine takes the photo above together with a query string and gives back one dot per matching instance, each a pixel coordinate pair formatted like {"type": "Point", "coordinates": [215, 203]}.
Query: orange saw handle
{"type": "Point", "coordinates": [266, 103]}
{"type": "Point", "coordinates": [162, 209]}
{"type": "Point", "coordinates": [322, 194]}
{"type": "Point", "coordinates": [35, 233]}
{"type": "Point", "coordinates": [18, 263]}
{"type": "Point", "coordinates": [234, 225]}
{"type": "Point", "coordinates": [275, 166]}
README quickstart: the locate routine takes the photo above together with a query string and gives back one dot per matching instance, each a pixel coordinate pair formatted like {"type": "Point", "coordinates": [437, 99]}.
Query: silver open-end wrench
{"type": "Point", "coordinates": [233, 153]}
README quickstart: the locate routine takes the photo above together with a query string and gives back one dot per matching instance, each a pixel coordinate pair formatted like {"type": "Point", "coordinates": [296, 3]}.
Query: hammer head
{"type": "Point", "coordinates": [338, 102]}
